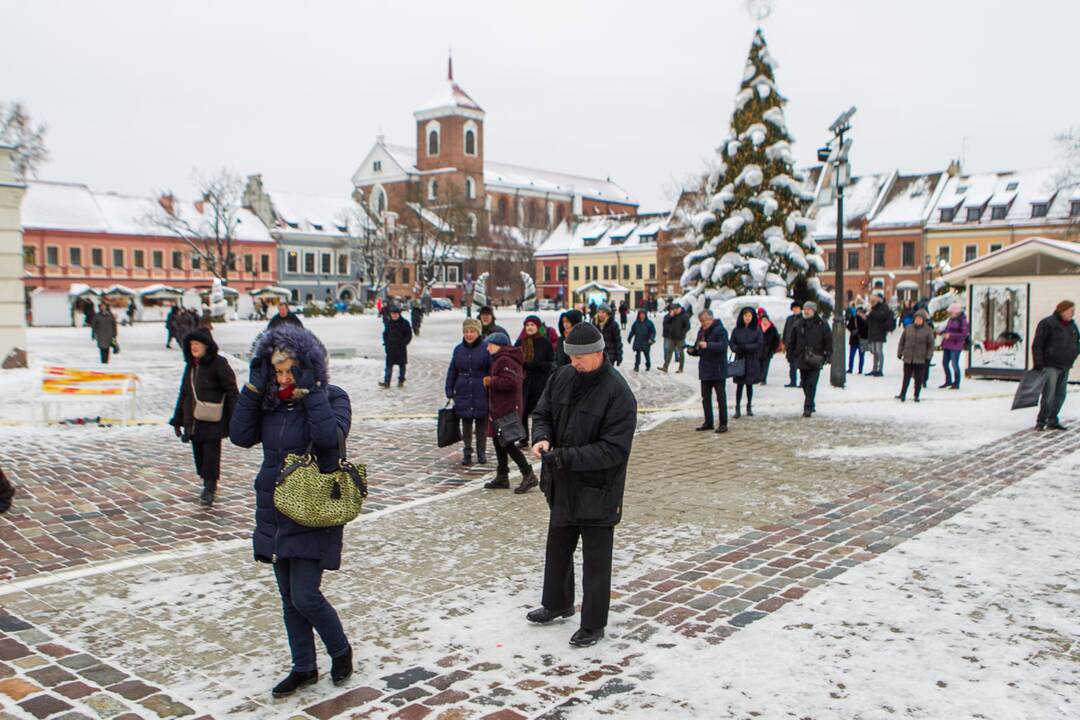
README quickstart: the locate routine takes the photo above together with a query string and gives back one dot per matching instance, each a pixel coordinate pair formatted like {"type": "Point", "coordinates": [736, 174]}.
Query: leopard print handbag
{"type": "Point", "coordinates": [312, 498]}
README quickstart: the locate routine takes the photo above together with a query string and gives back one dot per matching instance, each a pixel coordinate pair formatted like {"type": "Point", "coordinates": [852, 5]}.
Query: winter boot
{"type": "Point", "coordinates": [401, 383]}
{"type": "Point", "coordinates": [500, 481]}
{"type": "Point", "coordinates": [342, 667]}
{"type": "Point", "coordinates": [467, 459]}
{"type": "Point", "coordinates": [481, 455]}
{"type": "Point", "coordinates": [294, 682]}
{"type": "Point", "coordinates": [586, 638]}
{"type": "Point", "coordinates": [528, 482]}
{"type": "Point", "coordinates": [738, 413]}
{"type": "Point", "coordinates": [749, 411]}
{"type": "Point", "coordinates": [543, 616]}
{"type": "Point", "coordinates": [206, 499]}
{"type": "Point", "coordinates": [384, 385]}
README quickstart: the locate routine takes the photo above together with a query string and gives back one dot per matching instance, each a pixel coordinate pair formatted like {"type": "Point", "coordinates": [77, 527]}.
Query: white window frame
{"type": "Point", "coordinates": [452, 273]}
{"type": "Point", "coordinates": [994, 247]}
{"type": "Point", "coordinates": [326, 263]}
{"type": "Point", "coordinates": [342, 257]}
{"type": "Point", "coordinates": [433, 127]}
{"type": "Point", "coordinates": [470, 125]}
{"type": "Point", "coordinates": [291, 267]}
{"type": "Point", "coordinates": [304, 265]}
{"type": "Point", "coordinates": [971, 247]}
{"type": "Point", "coordinates": [470, 188]}
{"type": "Point", "coordinates": [945, 253]}
{"type": "Point", "coordinates": [471, 220]}
{"type": "Point", "coordinates": [433, 189]}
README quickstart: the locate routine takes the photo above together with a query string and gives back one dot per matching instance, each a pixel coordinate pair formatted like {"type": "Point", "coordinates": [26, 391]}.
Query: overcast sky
{"type": "Point", "coordinates": [139, 93]}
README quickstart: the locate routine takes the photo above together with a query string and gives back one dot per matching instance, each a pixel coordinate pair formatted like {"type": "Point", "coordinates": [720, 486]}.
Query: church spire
{"type": "Point", "coordinates": [450, 65]}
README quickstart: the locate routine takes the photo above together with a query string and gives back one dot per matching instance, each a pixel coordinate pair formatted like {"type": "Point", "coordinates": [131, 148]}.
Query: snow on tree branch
{"type": "Point", "coordinates": [19, 131]}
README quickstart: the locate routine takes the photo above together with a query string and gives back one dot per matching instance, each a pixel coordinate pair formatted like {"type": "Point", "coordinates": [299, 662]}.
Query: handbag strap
{"type": "Point", "coordinates": [341, 446]}
{"type": "Point", "coordinates": [191, 379]}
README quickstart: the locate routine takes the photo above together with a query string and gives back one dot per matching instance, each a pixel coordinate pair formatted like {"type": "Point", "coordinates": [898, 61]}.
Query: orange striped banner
{"type": "Point", "coordinates": [74, 381]}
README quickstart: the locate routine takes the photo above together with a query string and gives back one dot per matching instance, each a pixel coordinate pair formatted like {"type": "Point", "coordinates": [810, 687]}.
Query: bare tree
{"type": "Point", "coordinates": [444, 224]}
{"type": "Point", "coordinates": [369, 243]}
{"type": "Point", "coordinates": [1068, 175]}
{"type": "Point", "coordinates": [208, 226]}
{"type": "Point", "coordinates": [18, 130]}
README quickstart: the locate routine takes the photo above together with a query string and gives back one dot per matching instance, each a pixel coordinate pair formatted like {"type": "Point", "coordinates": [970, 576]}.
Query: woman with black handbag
{"type": "Point", "coordinates": [204, 406]}
{"type": "Point", "coordinates": [289, 406]}
{"type": "Point", "coordinates": [505, 407]}
{"type": "Point", "coordinates": [469, 365]}
{"type": "Point", "coordinates": [746, 342]}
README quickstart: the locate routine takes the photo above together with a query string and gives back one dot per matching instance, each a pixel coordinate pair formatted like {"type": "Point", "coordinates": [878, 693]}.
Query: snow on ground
{"type": "Point", "coordinates": [976, 618]}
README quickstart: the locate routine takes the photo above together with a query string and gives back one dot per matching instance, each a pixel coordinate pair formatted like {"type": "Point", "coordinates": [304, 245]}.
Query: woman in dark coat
{"type": "Point", "coordinates": [567, 320]}
{"type": "Point", "coordinates": [469, 365]}
{"type": "Point", "coordinates": [504, 386]}
{"type": "Point", "coordinates": [208, 377]}
{"type": "Point", "coordinates": [770, 342]}
{"type": "Point", "coordinates": [104, 330]}
{"type": "Point", "coordinates": [289, 406]}
{"type": "Point", "coordinates": [538, 359]}
{"type": "Point", "coordinates": [746, 343]}
{"type": "Point", "coordinates": [397, 334]}
{"type": "Point", "coordinates": [642, 336]}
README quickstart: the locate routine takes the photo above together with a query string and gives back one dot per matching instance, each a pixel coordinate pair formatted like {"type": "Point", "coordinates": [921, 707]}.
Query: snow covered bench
{"type": "Point", "coordinates": [62, 385]}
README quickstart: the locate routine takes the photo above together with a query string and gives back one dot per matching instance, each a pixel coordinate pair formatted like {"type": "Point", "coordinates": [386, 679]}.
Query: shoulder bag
{"type": "Point", "coordinates": [312, 498]}
{"type": "Point", "coordinates": [205, 411]}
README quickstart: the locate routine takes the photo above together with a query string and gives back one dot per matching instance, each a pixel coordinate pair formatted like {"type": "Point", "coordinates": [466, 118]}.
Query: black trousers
{"type": "Point", "coordinates": [480, 425]}
{"type": "Point", "coordinates": [390, 371]}
{"type": "Point", "coordinates": [503, 455]}
{"type": "Point", "coordinates": [793, 371]}
{"type": "Point", "coordinates": [104, 355]}
{"type": "Point", "coordinates": [739, 392]}
{"type": "Point", "coordinates": [707, 389]}
{"type": "Point", "coordinates": [916, 371]}
{"type": "Point", "coordinates": [765, 362]}
{"type": "Point", "coordinates": [596, 545]}
{"type": "Point", "coordinates": [809, 388]}
{"type": "Point", "coordinates": [207, 455]}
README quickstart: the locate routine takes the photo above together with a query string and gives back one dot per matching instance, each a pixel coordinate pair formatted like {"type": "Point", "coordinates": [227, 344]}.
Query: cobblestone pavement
{"type": "Point", "coordinates": [432, 594]}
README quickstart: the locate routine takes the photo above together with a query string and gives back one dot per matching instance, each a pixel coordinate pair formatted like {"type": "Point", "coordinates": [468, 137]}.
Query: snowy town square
{"type": "Point", "coordinates": [479, 361]}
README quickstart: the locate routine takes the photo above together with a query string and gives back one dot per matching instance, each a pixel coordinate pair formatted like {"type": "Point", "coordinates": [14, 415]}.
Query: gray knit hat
{"type": "Point", "coordinates": [583, 338]}
{"type": "Point", "coordinates": [810, 305]}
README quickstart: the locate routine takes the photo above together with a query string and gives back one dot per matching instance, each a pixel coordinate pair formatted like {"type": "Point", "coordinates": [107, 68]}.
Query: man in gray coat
{"type": "Point", "coordinates": [104, 328]}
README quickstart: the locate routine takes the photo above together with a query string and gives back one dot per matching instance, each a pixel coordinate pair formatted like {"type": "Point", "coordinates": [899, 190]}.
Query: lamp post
{"type": "Point", "coordinates": [837, 152]}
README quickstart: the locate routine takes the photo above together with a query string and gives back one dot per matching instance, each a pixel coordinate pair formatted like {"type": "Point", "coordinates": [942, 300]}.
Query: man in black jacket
{"type": "Point", "coordinates": [284, 316]}
{"type": "Point", "coordinates": [397, 334]}
{"type": "Point", "coordinates": [789, 343]}
{"type": "Point", "coordinates": [1054, 351]}
{"type": "Point", "coordinates": [612, 336]}
{"type": "Point", "coordinates": [583, 428]}
{"type": "Point", "coordinates": [676, 328]}
{"type": "Point", "coordinates": [812, 347]}
{"type": "Point", "coordinates": [879, 323]}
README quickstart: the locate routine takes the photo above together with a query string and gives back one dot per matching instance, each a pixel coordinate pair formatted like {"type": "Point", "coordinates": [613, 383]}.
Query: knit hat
{"type": "Point", "coordinates": [472, 324]}
{"type": "Point", "coordinates": [810, 305]}
{"type": "Point", "coordinates": [1064, 306]}
{"type": "Point", "coordinates": [923, 314]}
{"type": "Point", "coordinates": [486, 309]}
{"type": "Point", "coordinates": [497, 338]}
{"type": "Point", "coordinates": [533, 319]}
{"type": "Point", "coordinates": [955, 308]}
{"type": "Point", "coordinates": [583, 338]}
{"type": "Point", "coordinates": [604, 307]}
{"type": "Point", "coordinates": [199, 335]}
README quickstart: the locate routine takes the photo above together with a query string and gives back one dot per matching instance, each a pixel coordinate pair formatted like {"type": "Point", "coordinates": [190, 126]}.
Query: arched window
{"type": "Point", "coordinates": [470, 142]}
{"type": "Point", "coordinates": [433, 137]}
{"type": "Point", "coordinates": [470, 188]}
{"type": "Point", "coordinates": [378, 200]}
{"type": "Point", "coordinates": [433, 190]}
{"type": "Point", "coordinates": [472, 223]}
{"type": "Point", "coordinates": [504, 212]}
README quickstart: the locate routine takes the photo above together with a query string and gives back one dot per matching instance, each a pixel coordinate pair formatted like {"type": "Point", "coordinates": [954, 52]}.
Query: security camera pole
{"type": "Point", "coordinates": [841, 176]}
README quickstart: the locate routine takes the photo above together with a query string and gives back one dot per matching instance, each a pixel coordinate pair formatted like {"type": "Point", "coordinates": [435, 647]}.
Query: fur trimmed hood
{"type": "Point", "coordinates": [299, 342]}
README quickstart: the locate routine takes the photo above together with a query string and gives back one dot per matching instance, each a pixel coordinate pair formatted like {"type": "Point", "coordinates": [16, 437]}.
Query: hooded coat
{"type": "Point", "coordinates": [469, 365]}
{"type": "Point", "coordinates": [612, 340]}
{"type": "Point", "coordinates": [642, 333]}
{"type": "Point", "coordinates": [538, 360]}
{"type": "Point", "coordinates": [955, 333]}
{"type": "Point", "coordinates": [397, 334]}
{"type": "Point", "coordinates": [561, 358]}
{"type": "Point", "coordinates": [104, 328]}
{"type": "Point", "coordinates": [746, 342]}
{"type": "Point", "coordinates": [505, 391]}
{"type": "Point", "coordinates": [917, 341]}
{"type": "Point", "coordinates": [316, 419]}
{"type": "Point", "coordinates": [213, 380]}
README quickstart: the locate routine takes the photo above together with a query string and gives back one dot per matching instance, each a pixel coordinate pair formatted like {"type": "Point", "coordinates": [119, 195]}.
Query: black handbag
{"type": "Point", "coordinates": [508, 429]}
{"type": "Point", "coordinates": [736, 368]}
{"type": "Point", "coordinates": [814, 361]}
{"type": "Point", "coordinates": [449, 429]}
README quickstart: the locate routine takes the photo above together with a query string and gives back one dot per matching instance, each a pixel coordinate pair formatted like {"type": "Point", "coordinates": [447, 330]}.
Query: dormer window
{"type": "Point", "coordinates": [961, 190]}
{"type": "Point", "coordinates": [293, 225]}
{"type": "Point", "coordinates": [342, 228]}
{"type": "Point", "coordinates": [1039, 209]}
{"type": "Point", "coordinates": [948, 215]}
{"type": "Point", "coordinates": [316, 226]}
{"type": "Point", "coordinates": [376, 166]}
{"type": "Point", "coordinates": [973, 214]}
{"type": "Point", "coordinates": [1012, 186]}
{"type": "Point", "coordinates": [998, 213]}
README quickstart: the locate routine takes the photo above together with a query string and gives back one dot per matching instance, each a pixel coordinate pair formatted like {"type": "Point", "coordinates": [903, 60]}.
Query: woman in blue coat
{"type": "Point", "coordinates": [642, 336]}
{"type": "Point", "coordinates": [469, 365]}
{"type": "Point", "coordinates": [289, 406]}
{"type": "Point", "coordinates": [746, 342]}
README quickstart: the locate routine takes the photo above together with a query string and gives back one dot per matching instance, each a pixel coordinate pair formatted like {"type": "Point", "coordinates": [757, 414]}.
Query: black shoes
{"type": "Point", "coordinates": [501, 481]}
{"type": "Point", "coordinates": [206, 499]}
{"type": "Point", "coordinates": [749, 412]}
{"type": "Point", "coordinates": [543, 616]}
{"type": "Point", "coordinates": [1055, 425]}
{"type": "Point", "coordinates": [481, 456]}
{"type": "Point", "coordinates": [1040, 426]}
{"type": "Point", "coordinates": [737, 414]}
{"type": "Point", "coordinates": [586, 638]}
{"type": "Point", "coordinates": [466, 459]}
{"type": "Point", "coordinates": [790, 385]}
{"type": "Point", "coordinates": [916, 398]}
{"type": "Point", "coordinates": [294, 682]}
{"type": "Point", "coordinates": [806, 413]}
{"type": "Point", "coordinates": [703, 427]}
{"type": "Point", "coordinates": [901, 398]}
{"type": "Point", "coordinates": [721, 429]}
{"type": "Point", "coordinates": [342, 667]}
{"type": "Point", "coordinates": [528, 482]}
{"type": "Point", "coordinates": [384, 385]}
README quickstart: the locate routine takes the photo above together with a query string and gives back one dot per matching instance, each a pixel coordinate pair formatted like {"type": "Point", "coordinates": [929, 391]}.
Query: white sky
{"type": "Point", "coordinates": [138, 93]}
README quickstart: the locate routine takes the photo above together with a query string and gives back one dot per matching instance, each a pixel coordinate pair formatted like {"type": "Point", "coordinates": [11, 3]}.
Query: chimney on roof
{"type": "Point", "coordinates": [954, 169]}
{"type": "Point", "coordinates": [168, 202]}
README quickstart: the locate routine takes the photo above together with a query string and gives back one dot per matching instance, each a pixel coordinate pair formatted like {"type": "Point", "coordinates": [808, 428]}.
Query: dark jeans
{"type": "Point", "coordinates": [707, 389]}
{"type": "Point", "coordinates": [950, 360]}
{"type": "Point", "coordinates": [596, 545]}
{"type": "Point", "coordinates": [1053, 395]}
{"type": "Point", "coordinates": [809, 388]}
{"type": "Point", "coordinates": [765, 362]}
{"type": "Point", "coordinates": [467, 425]}
{"type": "Point", "coordinates": [207, 462]}
{"type": "Point", "coordinates": [854, 350]}
{"type": "Point", "coordinates": [793, 371]}
{"type": "Point", "coordinates": [390, 371]}
{"type": "Point", "coordinates": [503, 455]}
{"type": "Point", "coordinates": [739, 393]}
{"type": "Point", "coordinates": [306, 609]}
{"type": "Point", "coordinates": [916, 371]}
{"type": "Point", "coordinates": [104, 355]}
{"type": "Point", "coordinates": [647, 354]}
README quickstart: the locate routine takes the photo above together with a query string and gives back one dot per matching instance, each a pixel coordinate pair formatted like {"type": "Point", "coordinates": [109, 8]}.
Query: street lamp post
{"type": "Point", "coordinates": [838, 153]}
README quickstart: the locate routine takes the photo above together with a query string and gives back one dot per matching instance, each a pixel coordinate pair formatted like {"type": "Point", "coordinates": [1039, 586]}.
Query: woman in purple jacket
{"type": "Point", "coordinates": [953, 339]}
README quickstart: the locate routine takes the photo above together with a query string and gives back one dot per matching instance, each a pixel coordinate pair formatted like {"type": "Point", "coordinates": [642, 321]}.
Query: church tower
{"type": "Point", "coordinates": [450, 134]}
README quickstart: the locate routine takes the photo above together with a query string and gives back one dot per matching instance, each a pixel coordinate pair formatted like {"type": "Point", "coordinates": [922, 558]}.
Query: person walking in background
{"type": "Point", "coordinates": [505, 397]}
{"type": "Point", "coordinates": [487, 322]}
{"type": "Point", "coordinates": [289, 405]}
{"type": "Point", "coordinates": [88, 316]}
{"type": "Point", "coordinates": [284, 315]}
{"type": "Point", "coordinates": [416, 314]}
{"type": "Point", "coordinates": [771, 340]}
{"type": "Point", "coordinates": [746, 343]}
{"type": "Point", "coordinates": [624, 313]}
{"type": "Point", "coordinates": [207, 388]}
{"type": "Point", "coordinates": [396, 338]}
{"type": "Point", "coordinates": [609, 329]}
{"type": "Point", "coordinates": [131, 309]}
{"type": "Point", "coordinates": [538, 361]}
{"type": "Point", "coordinates": [954, 340]}
{"type": "Point", "coordinates": [583, 430]}
{"type": "Point", "coordinates": [469, 365]}
{"type": "Point", "coordinates": [880, 321]}
{"type": "Point", "coordinates": [170, 327]}
{"type": "Point", "coordinates": [642, 336]}
{"type": "Point", "coordinates": [788, 338]}
{"type": "Point", "coordinates": [104, 331]}
{"type": "Point", "coordinates": [567, 321]}
{"type": "Point", "coordinates": [711, 349]}
{"type": "Point", "coordinates": [1054, 351]}
{"type": "Point", "coordinates": [857, 337]}
{"type": "Point", "coordinates": [915, 350]}
{"type": "Point", "coordinates": [812, 348]}
{"type": "Point", "coordinates": [675, 328]}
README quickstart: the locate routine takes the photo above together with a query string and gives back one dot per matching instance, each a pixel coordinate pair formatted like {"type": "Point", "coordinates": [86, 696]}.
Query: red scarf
{"type": "Point", "coordinates": [286, 393]}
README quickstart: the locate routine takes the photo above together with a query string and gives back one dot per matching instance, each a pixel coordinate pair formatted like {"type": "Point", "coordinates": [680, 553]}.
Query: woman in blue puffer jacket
{"type": "Point", "coordinates": [289, 406]}
{"type": "Point", "coordinates": [469, 365]}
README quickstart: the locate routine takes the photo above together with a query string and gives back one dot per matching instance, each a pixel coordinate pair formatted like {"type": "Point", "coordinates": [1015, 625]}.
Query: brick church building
{"type": "Point", "coordinates": [462, 213]}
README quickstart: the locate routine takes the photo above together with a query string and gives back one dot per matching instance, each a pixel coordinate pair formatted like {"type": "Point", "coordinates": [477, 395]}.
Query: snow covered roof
{"type": "Point", "coordinates": [1056, 255]}
{"type": "Point", "coordinates": [602, 234]}
{"type": "Point", "coordinates": [609, 287]}
{"type": "Point", "coordinates": [1015, 191]}
{"type": "Point", "coordinates": [449, 95]}
{"type": "Point", "coordinates": [908, 200]}
{"type": "Point", "coordinates": [860, 198]}
{"type": "Point", "coordinates": [318, 214]}
{"type": "Point", "coordinates": [75, 207]}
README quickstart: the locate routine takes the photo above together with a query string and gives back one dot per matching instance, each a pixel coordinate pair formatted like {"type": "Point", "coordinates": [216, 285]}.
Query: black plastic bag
{"type": "Point", "coordinates": [449, 430]}
{"type": "Point", "coordinates": [1029, 390]}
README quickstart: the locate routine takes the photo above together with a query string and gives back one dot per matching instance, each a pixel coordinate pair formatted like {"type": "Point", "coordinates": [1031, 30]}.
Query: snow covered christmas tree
{"type": "Point", "coordinates": [753, 238]}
